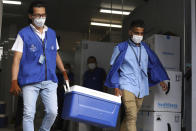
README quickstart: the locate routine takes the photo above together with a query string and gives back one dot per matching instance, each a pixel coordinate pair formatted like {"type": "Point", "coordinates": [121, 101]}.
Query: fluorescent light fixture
{"type": "Point", "coordinates": [102, 20]}
{"type": "Point", "coordinates": [11, 38]}
{"type": "Point", "coordinates": [106, 25]}
{"type": "Point", "coordinates": [12, 2]}
{"type": "Point", "coordinates": [118, 12]}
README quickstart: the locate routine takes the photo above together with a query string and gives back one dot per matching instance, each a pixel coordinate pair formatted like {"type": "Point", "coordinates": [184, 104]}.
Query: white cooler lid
{"type": "Point", "coordinates": [95, 93]}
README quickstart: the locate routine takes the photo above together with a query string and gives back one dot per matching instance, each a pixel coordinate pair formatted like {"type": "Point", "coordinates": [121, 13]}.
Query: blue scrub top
{"type": "Point", "coordinates": [133, 77]}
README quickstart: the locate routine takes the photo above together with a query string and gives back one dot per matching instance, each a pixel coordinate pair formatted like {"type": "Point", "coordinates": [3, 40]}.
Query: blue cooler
{"type": "Point", "coordinates": [90, 106]}
{"type": "Point", "coordinates": [2, 107]}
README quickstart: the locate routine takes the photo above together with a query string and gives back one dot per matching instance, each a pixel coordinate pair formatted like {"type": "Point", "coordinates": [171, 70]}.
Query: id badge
{"type": "Point", "coordinates": [41, 59]}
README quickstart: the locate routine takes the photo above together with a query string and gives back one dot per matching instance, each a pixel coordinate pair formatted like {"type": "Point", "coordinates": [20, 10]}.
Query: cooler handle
{"type": "Point", "coordinates": [66, 86]}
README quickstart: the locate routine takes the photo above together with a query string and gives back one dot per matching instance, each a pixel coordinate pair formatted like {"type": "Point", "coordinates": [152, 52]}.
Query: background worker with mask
{"type": "Point", "coordinates": [34, 65]}
{"type": "Point", "coordinates": [94, 77]}
{"type": "Point", "coordinates": [135, 68]}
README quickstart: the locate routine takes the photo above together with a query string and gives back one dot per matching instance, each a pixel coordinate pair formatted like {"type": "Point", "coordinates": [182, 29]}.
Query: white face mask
{"type": "Point", "coordinates": [91, 66]}
{"type": "Point", "coordinates": [137, 39]}
{"type": "Point", "coordinates": [39, 22]}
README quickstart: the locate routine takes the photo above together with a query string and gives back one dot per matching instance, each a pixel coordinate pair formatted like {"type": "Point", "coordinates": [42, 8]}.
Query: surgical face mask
{"type": "Point", "coordinates": [39, 22]}
{"type": "Point", "coordinates": [137, 39]}
{"type": "Point", "coordinates": [91, 66]}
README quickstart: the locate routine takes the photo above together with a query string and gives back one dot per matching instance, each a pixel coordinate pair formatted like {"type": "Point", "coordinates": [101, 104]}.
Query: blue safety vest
{"type": "Point", "coordinates": [32, 68]}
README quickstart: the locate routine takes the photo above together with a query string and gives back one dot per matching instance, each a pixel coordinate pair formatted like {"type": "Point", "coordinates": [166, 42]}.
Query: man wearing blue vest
{"type": "Point", "coordinates": [34, 65]}
{"type": "Point", "coordinates": [134, 68]}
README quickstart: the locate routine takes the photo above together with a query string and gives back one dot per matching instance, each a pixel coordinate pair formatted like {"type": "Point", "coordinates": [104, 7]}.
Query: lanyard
{"type": "Point", "coordinates": [44, 47]}
{"type": "Point", "coordinates": [138, 59]}
{"type": "Point", "coordinates": [39, 39]}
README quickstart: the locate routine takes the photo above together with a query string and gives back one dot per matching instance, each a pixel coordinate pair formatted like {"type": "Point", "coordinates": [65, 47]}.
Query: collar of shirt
{"type": "Point", "coordinates": [134, 45]}
{"type": "Point", "coordinates": [41, 35]}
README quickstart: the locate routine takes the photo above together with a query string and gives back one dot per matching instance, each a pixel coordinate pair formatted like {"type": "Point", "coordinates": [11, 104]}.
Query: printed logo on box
{"type": "Point", "coordinates": [167, 105]}
{"type": "Point", "coordinates": [167, 53]}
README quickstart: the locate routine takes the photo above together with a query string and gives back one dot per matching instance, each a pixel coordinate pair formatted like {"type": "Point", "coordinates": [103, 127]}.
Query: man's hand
{"type": "Point", "coordinates": [164, 86]}
{"type": "Point", "coordinates": [15, 89]}
{"type": "Point", "coordinates": [66, 79]}
{"type": "Point", "coordinates": [118, 92]}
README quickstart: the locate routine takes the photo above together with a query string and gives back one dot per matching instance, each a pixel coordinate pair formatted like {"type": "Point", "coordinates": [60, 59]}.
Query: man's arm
{"type": "Point", "coordinates": [59, 63]}
{"type": "Point", "coordinates": [16, 64]}
{"type": "Point", "coordinates": [115, 54]}
{"type": "Point", "coordinates": [157, 73]}
{"type": "Point", "coordinates": [159, 69]}
{"type": "Point", "coordinates": [15, 89]}
{"type": "Point", "coordinates": [60, 66]}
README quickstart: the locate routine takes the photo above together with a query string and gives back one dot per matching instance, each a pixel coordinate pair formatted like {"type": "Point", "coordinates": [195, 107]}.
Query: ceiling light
{"type": "Point", "coordinates": [12, 2]}
{"type": "Point", "coordinates": [102, 20]}
{"type": "Point", "coordinates": [106, 25]}
{"type": "Point", "coordinates": [119, 12]}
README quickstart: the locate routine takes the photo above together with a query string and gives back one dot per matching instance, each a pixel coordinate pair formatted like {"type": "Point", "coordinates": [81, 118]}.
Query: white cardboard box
{"type": "Point", "coordinates": [159, 121]}
{"type": "Point", "coordinates": [167, 49]}
{"type": "Point", "coordinates": [158, 100]}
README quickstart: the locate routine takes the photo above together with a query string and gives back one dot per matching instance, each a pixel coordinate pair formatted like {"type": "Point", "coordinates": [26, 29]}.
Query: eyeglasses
{"type": "Point", "coordinates": [39, 15]}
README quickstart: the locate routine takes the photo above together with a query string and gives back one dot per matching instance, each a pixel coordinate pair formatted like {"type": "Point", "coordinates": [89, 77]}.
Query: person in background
{"type": "Point", "coordinates": [33, 69]}
{"type": "Point", "coordinates": [94, 77]}
{"type": "Point", "coordinates": [134, 68]}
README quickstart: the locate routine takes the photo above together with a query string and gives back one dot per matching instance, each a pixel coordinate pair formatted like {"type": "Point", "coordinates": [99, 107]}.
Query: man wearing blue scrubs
{"type": "Point", "coordinates": [34, 65]}
{"type": "Point", "coordinates": [135, 68]}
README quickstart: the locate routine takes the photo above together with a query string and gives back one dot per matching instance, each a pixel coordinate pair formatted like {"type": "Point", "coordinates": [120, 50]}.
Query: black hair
{"type": "Point", "coordinates": [91, 57]}
{"type": "Point", "coordinates": [137, 23]}
{"type": "Point", "coordinates": [36, 3]}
